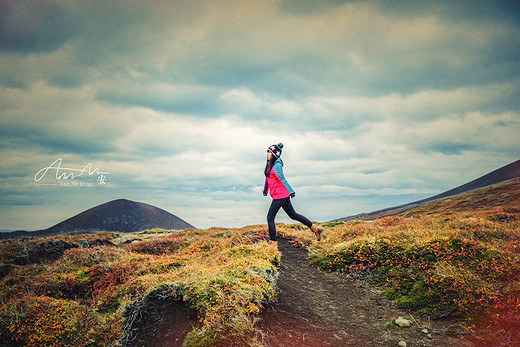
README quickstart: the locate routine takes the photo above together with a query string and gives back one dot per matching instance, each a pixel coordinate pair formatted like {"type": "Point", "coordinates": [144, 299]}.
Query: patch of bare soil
{"type": "Point", "coordinates": [316, 308]}
{"type": "Point", "coordinates": [161, 322]}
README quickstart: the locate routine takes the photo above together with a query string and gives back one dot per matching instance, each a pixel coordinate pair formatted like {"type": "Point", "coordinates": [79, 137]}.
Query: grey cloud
{"type": "Point", "coordinates": [486, 10]}
{"type": "Point", "coordinates": [87, 35]}
{"type": "Point", "coordinates": [57, 68]}
{"type": "Point", "coordinates": [449, 55]}
{"type": "Point", "coordinates": [450, 147]}
{"type": "Point", "coordinates": [33, 26]}
{"type": "Point", "coordinates": [49, 141]}
{"type": "Point", "coordinates": [227, 68]}
{"type": "Point", "coordinates": [121, 33]}
{"type": "Point", "coordinates": [308, 7]}
{"type": "Point", "coordinates": [398, 74]}
{"type": "Point", "coordinates": [382, 100]}
{"type": "Point", "coordinates": [162, 96]}
{"type": "Point", "coordinates": [115, 34]}
{"type": "Point", "coordinates": [450, 62]}
{"type": "Point", "coordinates": [456, 10]}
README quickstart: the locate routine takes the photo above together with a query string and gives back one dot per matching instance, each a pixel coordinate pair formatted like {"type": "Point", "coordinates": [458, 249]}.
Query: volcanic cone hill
{"type": "Point", "coordinates": [120, 215]}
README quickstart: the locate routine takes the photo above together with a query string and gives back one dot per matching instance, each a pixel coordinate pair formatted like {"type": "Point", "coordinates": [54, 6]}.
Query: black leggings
{"type": "Point", "coordinates": [289, 209]}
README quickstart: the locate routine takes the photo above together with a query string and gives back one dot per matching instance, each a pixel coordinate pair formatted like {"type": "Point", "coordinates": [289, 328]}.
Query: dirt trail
{"type": "Point", "coordinates": [316, 308]}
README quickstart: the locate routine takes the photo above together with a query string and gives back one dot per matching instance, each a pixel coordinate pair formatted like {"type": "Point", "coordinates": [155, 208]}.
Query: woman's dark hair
{"type": "Point", "coordinates": [269, 165]}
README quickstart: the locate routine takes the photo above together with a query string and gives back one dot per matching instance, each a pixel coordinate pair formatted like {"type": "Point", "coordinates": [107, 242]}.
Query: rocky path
{"type": "Point", "coordinates": [316, 308]}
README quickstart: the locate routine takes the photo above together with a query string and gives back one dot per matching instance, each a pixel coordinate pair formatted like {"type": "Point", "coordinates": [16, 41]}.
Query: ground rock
{"type": "Point", "coordinates": [403, 323]}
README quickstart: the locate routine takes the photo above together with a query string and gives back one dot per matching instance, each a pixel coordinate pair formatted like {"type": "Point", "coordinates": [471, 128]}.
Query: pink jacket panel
{"type": "Point", "coordinates": [275, 186]}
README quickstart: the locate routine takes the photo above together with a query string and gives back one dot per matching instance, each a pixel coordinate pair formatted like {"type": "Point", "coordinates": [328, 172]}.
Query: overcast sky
{"type": "Point", "coordinates": [378, 103]}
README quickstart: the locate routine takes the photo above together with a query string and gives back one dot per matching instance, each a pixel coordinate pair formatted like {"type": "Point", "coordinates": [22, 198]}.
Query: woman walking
{"type": "Point", "coordinates": [281, 192]}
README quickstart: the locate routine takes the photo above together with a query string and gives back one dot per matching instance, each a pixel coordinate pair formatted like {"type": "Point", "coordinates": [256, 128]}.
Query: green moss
{"type": "Point", "coordinates": [200, 338]}
{"type": "Point", "coordinates": [389, 325]}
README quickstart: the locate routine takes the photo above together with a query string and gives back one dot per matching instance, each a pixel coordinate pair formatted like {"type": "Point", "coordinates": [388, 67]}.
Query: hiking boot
{"type": "Point", "coordinates": [317, 231]}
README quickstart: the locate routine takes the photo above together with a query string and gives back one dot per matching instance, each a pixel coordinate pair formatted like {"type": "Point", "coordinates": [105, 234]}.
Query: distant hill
{"type": "Point", "coordinates": [504, 195]}
{"type": "Point", "coordinates": [118, 215]}
{"type": "Point", "coordinates": [505, 173]}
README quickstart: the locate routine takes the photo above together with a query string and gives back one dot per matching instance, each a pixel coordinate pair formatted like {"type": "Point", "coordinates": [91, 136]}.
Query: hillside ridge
{"type": "Point", "coordinates": [499, 175]}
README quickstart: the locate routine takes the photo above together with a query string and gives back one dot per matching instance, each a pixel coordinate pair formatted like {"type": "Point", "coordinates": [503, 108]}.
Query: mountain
{"type": "Point", "coordinates": [502, 174]}
{"type": "Point", "coordinates": [119, 215]}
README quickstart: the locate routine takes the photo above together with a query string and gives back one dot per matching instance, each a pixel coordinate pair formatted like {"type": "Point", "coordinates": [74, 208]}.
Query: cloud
{"type": "Point", "coordinates": [29, 26]}
{"type": "Point", "coordinates": [201, 147]}
{"type": "Point", "coordinates": [471, 132]}
{"type": "Point", "coordinates": [59, 120]}
{"type": "Point", "coordinates": [376, 102]}
{"type": "Point", "coordinates": [161, 96]}
{"type": "Point", "coordinates": [351, 47]}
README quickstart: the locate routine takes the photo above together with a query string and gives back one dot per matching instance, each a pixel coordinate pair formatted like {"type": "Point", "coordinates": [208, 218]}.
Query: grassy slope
{"type": "Point", "coordinates": [89, 295]}
{"type": "Point", "coordinates": [456, 257]}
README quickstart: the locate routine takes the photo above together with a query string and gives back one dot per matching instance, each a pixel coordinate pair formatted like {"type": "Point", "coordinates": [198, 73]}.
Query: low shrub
{"type": "Point", "coordinates": [465, 264]}
{"type": "Point", "coordinates": [86, 297]}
